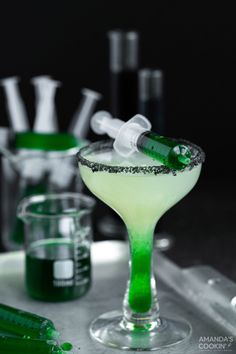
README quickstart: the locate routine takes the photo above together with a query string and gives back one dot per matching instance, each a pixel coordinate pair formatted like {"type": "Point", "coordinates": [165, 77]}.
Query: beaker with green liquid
{"type": "Point", "coordinates": [34, 163]}
{"type": "Point", "coordinates": [58, 234]}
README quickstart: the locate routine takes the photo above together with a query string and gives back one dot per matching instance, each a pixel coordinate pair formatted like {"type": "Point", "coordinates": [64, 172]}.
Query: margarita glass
{"type": "Point", "coordinates": [140, 190]}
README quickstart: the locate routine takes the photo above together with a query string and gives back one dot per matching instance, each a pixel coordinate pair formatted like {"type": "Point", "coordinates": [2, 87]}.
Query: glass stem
{"type": "Point", "coordinates": [141, 307]}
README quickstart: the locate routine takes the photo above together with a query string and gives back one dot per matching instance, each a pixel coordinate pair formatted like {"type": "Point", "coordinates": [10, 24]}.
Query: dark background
{"type": "Point", "coordinates": [195, 47]}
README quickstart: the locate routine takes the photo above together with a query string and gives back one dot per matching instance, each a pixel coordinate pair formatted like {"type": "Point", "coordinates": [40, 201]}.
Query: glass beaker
{"type": "Point", "coordinates": [33, 171]}
{"type": "Point", "coordinates": [58, 234]}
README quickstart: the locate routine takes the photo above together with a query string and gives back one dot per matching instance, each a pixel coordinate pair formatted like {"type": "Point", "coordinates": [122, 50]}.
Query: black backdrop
{"type": "Point", "coordinates": [194, 45]}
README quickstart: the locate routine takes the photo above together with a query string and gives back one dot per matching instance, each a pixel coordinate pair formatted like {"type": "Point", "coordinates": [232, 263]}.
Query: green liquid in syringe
{"type": "Point", "coordinates": [26, 324]}
{"type": "Point", "coordinates": [58, 270]}
{"type": "Point", "coordinates": [165, 150]}
{"type": "Point", "coordinates": [13, 345]}
{"type": "Point", "coordinates": [135, 135]}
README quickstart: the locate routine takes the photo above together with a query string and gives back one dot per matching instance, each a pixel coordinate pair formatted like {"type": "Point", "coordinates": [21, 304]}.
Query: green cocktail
{"type": "Point", "coordinates": [140, 190]}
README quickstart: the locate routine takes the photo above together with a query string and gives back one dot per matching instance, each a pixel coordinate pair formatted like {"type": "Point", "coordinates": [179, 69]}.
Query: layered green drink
{"type": "Point", "coordinates": [140, 190]}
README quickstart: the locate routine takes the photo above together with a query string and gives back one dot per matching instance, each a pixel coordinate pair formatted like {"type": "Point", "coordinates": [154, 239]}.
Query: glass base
{"type": "Point", "coordinates": [111, 330]}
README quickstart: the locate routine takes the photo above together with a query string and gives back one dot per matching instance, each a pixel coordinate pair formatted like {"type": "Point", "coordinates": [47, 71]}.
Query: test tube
{"type": "Point", "coordinates": [24, 323]}
{"type": "Point", "coordinates": [17, 112]}
{"type": "Point", "coordinates": [13, 345]}
{"type": "Point", "coordinates": [124, 61]}
{"type": "Point", "coordinates": [80, 122]}
{"type": "Point", "coordinates": [150, 84]}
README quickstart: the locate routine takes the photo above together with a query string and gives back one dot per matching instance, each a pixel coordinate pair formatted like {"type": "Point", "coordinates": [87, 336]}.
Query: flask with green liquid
{"type": "Point", "coordinates": [58, 235]}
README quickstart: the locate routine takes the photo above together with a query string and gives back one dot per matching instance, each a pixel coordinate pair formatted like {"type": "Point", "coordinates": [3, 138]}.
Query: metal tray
{"type": "Point", "coordinates": [201, 295]}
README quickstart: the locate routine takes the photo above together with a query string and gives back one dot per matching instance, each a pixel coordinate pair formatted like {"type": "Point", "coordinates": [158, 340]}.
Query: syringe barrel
{"type": "Point", "coordinates": [80, 123]}
{"type": "Point", "coordinates": [16, 109]}
{"type": "Point", "coordinates": [166, 150]}
{"type": "Point", "coordinates": [24, 323]}
{"type": "Point", "coordinates": [45, 89]}
{"type": "Point", "coordinates": [12, 345]}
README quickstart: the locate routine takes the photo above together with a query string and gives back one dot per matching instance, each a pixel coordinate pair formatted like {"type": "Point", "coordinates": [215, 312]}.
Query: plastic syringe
{"type": "Point", "coordinates": [80, 123]}
{"type": "Point", "coordinates": [136, 136]}
{"type": "Point", "coordinates": [45, 90]}
{"type": "Point", "coordinates": [12, 345]}
{"type": "Point", "coordinates": [45, 122]}
{"type": "Point", "coordinates": [61, 171]}
{"type": "Point", "coordinates": [17, 112]}
{"type": "Point", "coordinates": [26, 324]}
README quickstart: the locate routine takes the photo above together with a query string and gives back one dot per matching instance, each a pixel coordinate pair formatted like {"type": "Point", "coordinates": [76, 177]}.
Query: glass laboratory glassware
{"type": "Point", "coordinates": [58, 236]}
{"type": "Point", "coordinates": [140, 190]}
{"type": "Point", "coordinates": [150, 85]}
{"type": "Point", "coordinates": [45, 164]}
{"type": "Point", "coordinates": [124, 62]}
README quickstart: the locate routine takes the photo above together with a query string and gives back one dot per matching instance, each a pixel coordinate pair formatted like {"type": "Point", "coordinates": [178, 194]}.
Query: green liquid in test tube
{"type": "Point", "coordinates": [136, 136]}
{"type": "Point", "coordinates": [13, 345]}
{"type": "Point", "coordinates": [26, 324]}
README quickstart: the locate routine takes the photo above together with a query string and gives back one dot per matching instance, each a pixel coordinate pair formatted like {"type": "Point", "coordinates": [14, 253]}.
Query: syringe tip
{"type": "Point", "coordinates": [185, 160]}
{"type": "Point", "coordinates": [52, 333]}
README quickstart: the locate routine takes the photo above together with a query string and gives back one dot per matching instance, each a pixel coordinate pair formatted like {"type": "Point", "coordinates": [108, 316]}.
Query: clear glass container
{"type": "Point", "coordinates": [58, 234]}
{"type": "Point", "coordinates": [29, 172]}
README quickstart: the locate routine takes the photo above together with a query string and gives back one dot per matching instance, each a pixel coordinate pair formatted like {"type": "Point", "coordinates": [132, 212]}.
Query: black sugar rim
{"type": "Point", "coordinates": [198, 157]}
